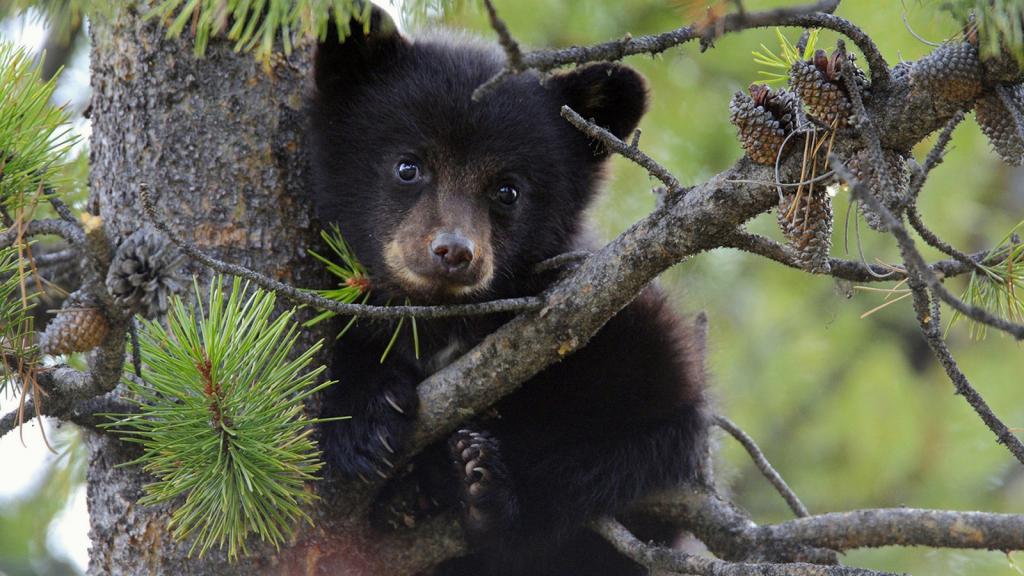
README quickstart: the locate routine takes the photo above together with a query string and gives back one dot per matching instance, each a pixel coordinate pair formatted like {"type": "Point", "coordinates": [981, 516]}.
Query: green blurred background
{"type": "Point", "coordinates": [855, 413]}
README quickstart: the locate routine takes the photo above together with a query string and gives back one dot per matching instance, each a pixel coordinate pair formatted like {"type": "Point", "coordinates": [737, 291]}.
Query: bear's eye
{"type": "Point", "coordinates": [507, 194]}
{"type": "Point", "coordinates": [407, 171]}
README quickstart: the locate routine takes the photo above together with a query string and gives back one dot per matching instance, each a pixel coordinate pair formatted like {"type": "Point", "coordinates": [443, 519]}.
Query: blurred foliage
{"type": "Point", "coordinates": [854, 412]}
{"type": "Point", "coordinates": [25, 522]}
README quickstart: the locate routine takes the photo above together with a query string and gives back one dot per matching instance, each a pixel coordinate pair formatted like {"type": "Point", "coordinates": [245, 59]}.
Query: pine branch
{"type": "Point", "coordinates": [816, 15]}
{"type": "Point", "coordinates": [851, 270]}
{"type": "Point", "coordinates": [220, 419]}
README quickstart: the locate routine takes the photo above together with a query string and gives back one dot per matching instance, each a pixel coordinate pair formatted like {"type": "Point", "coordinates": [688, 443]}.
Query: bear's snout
{"type": "Point", "coordinates": [452, 252]}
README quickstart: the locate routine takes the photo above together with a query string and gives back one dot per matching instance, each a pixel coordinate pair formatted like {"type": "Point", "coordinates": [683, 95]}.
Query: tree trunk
{"type": "Point", "coordinates": [219, 141]}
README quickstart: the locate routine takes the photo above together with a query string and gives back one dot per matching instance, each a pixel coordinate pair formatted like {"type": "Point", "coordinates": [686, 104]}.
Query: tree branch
{"type": "Point", "coordinates": [807, 16]}
{"type": "Point", "coordinates": [68, 231]}
{"type": "Point", "coordinates": [850, 269]}
{"type": "Point", "coordinates": [656, 557]}
{"type": "Point", "coordinates": [762, 463]}
{"type": "Point", "coordinates": [904, 527]}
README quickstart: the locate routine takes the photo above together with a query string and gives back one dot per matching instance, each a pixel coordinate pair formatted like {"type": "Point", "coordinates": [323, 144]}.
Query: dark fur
{"type": "Point", "coordinates": [619, 418]}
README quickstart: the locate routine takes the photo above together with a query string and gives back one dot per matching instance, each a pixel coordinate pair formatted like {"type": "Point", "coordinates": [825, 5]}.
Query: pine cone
{"type": "Point", "coordinates": [808, 227]}
{"type": "Point", "coordinates": [862, 168]}
{"type": "Point", "coordinates": [819, 85]}
{"type": "Point", "coordinates": [78, 327]}
{"type": "Point", "coordinates": [997, 122]}
{"type": "Point", "coordinates": [952, 71]}
{"type": "Point", "coordinates": [763, 120]}
{"type": "Point", "coordinates": [145, 272]}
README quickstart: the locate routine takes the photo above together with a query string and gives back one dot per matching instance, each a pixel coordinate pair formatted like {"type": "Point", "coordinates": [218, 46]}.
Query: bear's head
{"type": "Point", "coordinates": [444, 199]}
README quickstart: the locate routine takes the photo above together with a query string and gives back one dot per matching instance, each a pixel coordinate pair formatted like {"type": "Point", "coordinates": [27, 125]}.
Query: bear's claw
{"type": "Point", "coordinates": [488, 501]}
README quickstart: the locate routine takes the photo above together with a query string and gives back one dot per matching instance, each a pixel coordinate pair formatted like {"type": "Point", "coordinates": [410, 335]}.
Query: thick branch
{"type": "Point", "coordinates": [657, 557]}
{"type": "Point", "coordinates": [904, 527]}
{"type": "Point", "coordinates": [730, 534]}
{"type": "Point", "coordinates": [65, 388]}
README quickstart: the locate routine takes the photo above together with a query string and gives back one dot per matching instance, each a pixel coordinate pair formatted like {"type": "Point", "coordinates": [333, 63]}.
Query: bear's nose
{"type": "Point", "coordinates": [453, 251]}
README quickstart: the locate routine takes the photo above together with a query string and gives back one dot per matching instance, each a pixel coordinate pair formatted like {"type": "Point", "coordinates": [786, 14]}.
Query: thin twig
{"type": "Point", "coordinates": [561, 261]}
{"type": "Point", "coordinates": [935, 156]}
{"type": "Point", "coordinates": [815, 15]}
{"type": "Point", "coordinates": [920, 279]}
{"type": "Point", "coordinates": [60, 207]}
{"type": "Point", "coordinates": [762, 463]}
{"type": "Point", "coordinates": [851, 270]}
{"type": "Point", "coordinates": [133, 331]}
{"type": "Point", "coordinates": [508, 43]}
{"type": "Point", "coordinates": [933, 240]}
{"type": "Point", "coordinates": [614, 144]}
{"type": "Point", "coordinates": [310, 299]}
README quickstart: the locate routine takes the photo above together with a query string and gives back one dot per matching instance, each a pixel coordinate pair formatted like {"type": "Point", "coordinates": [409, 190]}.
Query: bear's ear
{"type": "Point", "coordinates": [613, 95]}
{"type": "Point", "coordinates": [369, 44]}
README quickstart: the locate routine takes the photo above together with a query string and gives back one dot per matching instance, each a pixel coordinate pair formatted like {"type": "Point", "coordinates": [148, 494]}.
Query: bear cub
{"type": "Point", "coordinates": [447, 200]}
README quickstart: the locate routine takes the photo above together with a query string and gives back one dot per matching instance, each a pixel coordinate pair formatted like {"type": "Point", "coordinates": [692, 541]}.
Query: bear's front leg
{"type": "Point", "coordinates": [381, 403]}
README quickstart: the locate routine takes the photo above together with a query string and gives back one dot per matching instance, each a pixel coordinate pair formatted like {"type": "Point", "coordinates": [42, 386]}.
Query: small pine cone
{"type": "Point", "coordinates": [808, 227]}
{"type": "Point", "coordinates": [78, 327]}
{"type": "Point", "coordinates": [818, 84]}
{"type": "Point", "coordinates": [763, 120]}
{"type": "Point", "coordinates": [952, 71]}
{"type": "Point", "coordinates": [862, 168]}
{"type": "Point", "coordinates": [997, 122]}
{"type": "Point", "coordinates": [145, 272]}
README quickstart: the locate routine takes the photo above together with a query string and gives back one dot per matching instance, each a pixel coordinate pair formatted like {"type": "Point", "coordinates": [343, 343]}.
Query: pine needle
{"type": "Point", "coordinates": [221, 419]}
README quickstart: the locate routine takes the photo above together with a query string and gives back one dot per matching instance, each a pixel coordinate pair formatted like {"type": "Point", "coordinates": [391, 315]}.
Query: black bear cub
{"type": "Point", "coordinates": [447, 200]}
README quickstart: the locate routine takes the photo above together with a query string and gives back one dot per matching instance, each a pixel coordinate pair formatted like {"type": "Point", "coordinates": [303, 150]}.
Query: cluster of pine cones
{"type": "Point", "coordinates": [766, 121]}
{"type": "Point", "coordinates": [146, 270]}
{"type": "Point", "coordinates": [954, 71]}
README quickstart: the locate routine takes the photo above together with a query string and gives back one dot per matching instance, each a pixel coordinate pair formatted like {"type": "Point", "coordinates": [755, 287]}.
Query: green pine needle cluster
{"type": "Point", "coordinates": [34, 135]}
{"type": "Point", "coordinates": [256, 25]}
{"type": "Point", "coordinates": [998, 288]}
{"type": "Point", "coordinates": [221, 419]}
{"type": "Point", "coordinates": [353, 286]}
{"type": "Point", "coordinates": [1000, 24]}
{"type": "Point", "coordinates": [779, 64]}
{"type": "Point", "coordinates": [16, 326]}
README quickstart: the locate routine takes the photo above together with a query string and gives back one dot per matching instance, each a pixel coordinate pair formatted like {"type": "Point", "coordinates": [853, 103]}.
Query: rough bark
{"type": "Point", "coordinates": [219, 141]}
